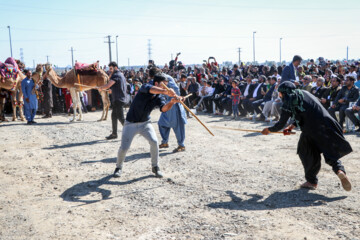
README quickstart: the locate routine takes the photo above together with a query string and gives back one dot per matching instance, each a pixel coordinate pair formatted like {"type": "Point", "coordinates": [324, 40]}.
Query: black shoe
{"type": "Point", "coordinates": [157, 172]}
{"type": "Point", "coordinates": [29, 123]}
{"type": "Point", "coordinates": [33, 122]}
{"type": "Point", "coordinates": [47, 116]}
{"type": "Point", "coordinates": [357, 130]}
{"type": "Point", "coordinates": [117, 173]}
{"type": "Point", "coordinates": [111, 136]}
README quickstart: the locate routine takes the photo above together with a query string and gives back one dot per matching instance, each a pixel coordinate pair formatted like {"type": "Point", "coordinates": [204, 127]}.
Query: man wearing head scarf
{"type": "Point", "coordinates": [174, 119]}
{"type": "Point", "coordinates": [320, 134]}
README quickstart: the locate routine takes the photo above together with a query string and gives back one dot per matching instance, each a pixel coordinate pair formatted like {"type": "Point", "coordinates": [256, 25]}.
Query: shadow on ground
{"type": "Point", "coordinates": [277, 200]}
{"type": "Point", "coordinates": [69, 145]}
{"type": "Point", "coordinates": [130, 158]}
{"type": "Point", "coordinates": [82, 190]}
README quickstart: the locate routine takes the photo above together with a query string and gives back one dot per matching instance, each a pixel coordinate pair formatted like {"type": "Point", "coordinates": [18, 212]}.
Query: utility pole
{"type": "Point", "coordinates": [10, 41]}
{"type": "Point", "coordinates": [172, 58]}
{"type": "Point", "coordinates": [239, 51]}
{"type": "Point", "coordinates": [21, 55]}
{"type": "Point", "coordinates": [254, 47]}
{"type": "Point", "coordinates": [280, 50]}
{"type": "Point", "coordinates": [149, 48]}
{"type": "Point", "coordinates": [34, 63]}
{"type": "Point", "coordinates": [347, 54]}
{"type": "Point", "coordinates": [72, 56]}
{"type": "Point", "coordinates": [128, 63]}
{"type": "Point", "coordinates": [117, 56]}
{"type": "Point", "coordinates": [109, 42]}
{"type": "Point", "coordinates": [47, 59]}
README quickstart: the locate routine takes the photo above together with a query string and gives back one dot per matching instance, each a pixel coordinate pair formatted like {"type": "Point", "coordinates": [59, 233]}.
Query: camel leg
{"type": "Point", "coordinates": [74, 101]}
{"type": "Point", "coordinates": [79, 106]}
{"type": "Point", "coordinates": [21, 105]}
{"type": "Point", "coordinates": [13, 104]}
{"type": "Point", "coordinates": [106, 105]}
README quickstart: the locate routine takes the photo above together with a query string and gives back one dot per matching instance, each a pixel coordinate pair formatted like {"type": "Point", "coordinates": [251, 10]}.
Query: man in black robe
{"type": "Point", "coordinates": [48, 97]}
{"type": "Point", "coordinates": [320, 134]}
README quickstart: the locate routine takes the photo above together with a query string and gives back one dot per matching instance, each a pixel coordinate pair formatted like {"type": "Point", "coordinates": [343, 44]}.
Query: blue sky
{"type": "Point", "coordinates": [196, 28]}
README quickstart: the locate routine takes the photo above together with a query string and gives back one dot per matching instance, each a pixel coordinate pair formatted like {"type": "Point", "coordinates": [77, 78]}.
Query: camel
{"type": "Point", "coordinates": [13, 86]}
{"type": "Point", "coordinates": [87, 82]}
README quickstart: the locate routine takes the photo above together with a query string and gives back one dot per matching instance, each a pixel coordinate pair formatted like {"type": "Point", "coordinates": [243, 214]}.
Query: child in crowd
{"type": "Point", "coordinates": [235, 96]}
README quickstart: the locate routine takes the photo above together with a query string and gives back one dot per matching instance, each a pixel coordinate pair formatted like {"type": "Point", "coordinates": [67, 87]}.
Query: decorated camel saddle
{"type": "Point", "coordinates": [86, 69]}
{"type": "Point", "coordinates": [9, 69]}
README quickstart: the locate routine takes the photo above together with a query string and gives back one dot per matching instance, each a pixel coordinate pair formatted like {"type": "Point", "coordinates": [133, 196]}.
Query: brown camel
{"type": "Point", "coordinates": [13, 86]}
{"type": "Point", "coordinates": [70, 81]}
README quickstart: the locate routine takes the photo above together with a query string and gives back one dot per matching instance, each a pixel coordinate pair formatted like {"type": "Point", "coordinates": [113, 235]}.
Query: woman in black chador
{"type": "Point", "coordinates": [320, 134]}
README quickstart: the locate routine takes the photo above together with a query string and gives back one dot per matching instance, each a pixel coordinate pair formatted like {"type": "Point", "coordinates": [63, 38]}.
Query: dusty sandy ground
{"type": "Point", "coordinates": [56, 184]}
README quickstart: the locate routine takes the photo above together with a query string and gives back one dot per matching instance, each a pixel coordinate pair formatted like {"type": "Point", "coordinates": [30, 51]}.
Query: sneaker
{"type": "Point", "coordinates": [344, 180]}
{"type": "Point", "coordinates": [157, 172]}
{"type": "Point", "coordinates": [179, 149]}
{"type": "Point", "coordinates": [308, 185]}
{"type": "Point", "coordinates": [164, 145]}
{"type": "Point", "coordinates": [29, 123]}
{"type": "Point", "coordinates": [117, 173]}
{"type": "Point", "coordinates": [111, 136]}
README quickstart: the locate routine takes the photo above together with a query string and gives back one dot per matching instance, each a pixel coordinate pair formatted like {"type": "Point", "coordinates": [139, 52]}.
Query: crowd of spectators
{"type": "Point", "coordinates": [247, 90]}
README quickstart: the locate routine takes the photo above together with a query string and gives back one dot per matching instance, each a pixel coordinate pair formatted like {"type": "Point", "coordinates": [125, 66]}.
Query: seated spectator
{"type": "Point", "coordinates": [306, 83]}
{"type": "Point", "coordinates": [330, 93]}
{"type": "Point", "coordinates": [258, 94]}
{"type": "Point", "coordinates": [193, 88]}
{"type": "Point", "coordinates": [318, 90]}
{"type": "Point", "coordinates": [267, 98]}
{"type": "Point", "coordinates": [247, 90]}
{"type": "Point", "coordinates": [350, 113]}
{"type": "Point", "coordinates": [348, 93]}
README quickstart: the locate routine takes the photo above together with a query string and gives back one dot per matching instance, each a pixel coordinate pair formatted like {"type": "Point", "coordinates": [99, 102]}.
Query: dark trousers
{"type": "Point", "coordinates": [341, 108]}
{"type": "Point", "coordinates": [218, 104]}
{"type": "Point", "coordinates": [83, 104]}
{"type": "Point", "coordinates": [208, 103]}
{"type": "Point", "coordinates": [350, 113]}
{"type": "Point", "coordinates": [310, 156]}
{"type": "Point", "coordinates": [247, 105]}
{"type": "Point", "coordinates": [117, 114]}
{"type": "Point", "coordinates": [256, 105]}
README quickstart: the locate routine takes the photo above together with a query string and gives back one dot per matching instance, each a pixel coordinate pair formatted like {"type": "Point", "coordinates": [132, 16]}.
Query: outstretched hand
{"type": "Point", "coordinates": [265, 131]}
{"type": "Point", "coordinates": [287, 131]}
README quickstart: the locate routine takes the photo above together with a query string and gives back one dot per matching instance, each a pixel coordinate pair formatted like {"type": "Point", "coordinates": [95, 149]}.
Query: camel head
{"type": "Point", "coordinates": [38, 74]}
{"type": "Point", "coordinates": [48, 67]}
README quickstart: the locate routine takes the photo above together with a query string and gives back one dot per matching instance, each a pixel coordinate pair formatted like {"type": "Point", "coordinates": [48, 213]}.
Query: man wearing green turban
{"type": "Point", "coordinates": [320, 134]}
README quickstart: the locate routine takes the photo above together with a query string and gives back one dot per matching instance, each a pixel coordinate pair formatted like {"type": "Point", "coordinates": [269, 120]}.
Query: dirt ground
{"type": "Point", "coordinates": [56, 184]}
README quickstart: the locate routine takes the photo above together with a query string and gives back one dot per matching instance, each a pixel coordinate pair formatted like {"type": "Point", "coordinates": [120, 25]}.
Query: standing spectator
{"type": "Point", "coordinates": [290, 73]}
{"type": "Point", "coordinates": [235, 97]}
{"type": "Point", "coordinates": [30, 104]}
{"type": "Point", "coordinates": [48, 97]}
{"type": "Point", "coordinates": [348, 93]}
{"type": "Point", "coordinates": [118, 87]}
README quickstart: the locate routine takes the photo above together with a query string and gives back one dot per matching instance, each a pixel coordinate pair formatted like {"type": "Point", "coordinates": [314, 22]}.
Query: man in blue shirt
{"type": "Point", "coordinates": [290, 72]}
{"type": "Point", "coordinates": [30, 104]}
{"type": "Point", "coordinates": [138, 121]}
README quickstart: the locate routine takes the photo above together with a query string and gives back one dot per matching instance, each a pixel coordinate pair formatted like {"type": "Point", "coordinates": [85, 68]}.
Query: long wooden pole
{"type": "Point", "coordinates": [89, 86]}
{"type": "Point", "coordinates": [247, 130]}
{"type": "Point", "coordinates": [186, 107]}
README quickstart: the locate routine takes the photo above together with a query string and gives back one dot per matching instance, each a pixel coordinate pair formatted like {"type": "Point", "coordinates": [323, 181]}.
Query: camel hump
{"type": "Point", "coordinates": [86, 69]}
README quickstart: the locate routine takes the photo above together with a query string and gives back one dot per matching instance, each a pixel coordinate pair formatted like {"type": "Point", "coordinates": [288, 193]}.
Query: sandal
{"type": "Point", "coordinates": [344, 180]}
{"type": "Point", "coordinates": [164, 145]}
{"type": "Point", "coordinates": [179, 149]}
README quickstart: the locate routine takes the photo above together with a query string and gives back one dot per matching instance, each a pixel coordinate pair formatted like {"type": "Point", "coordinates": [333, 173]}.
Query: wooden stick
{"type": "Point", "coordinates": [189, 95]}
{"type": "Point", "coordinates": [248, 130]}
{"type": "Point", "coordinates": [190, 111]}
{"type": "Point", "coordinates": [88, 86]}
